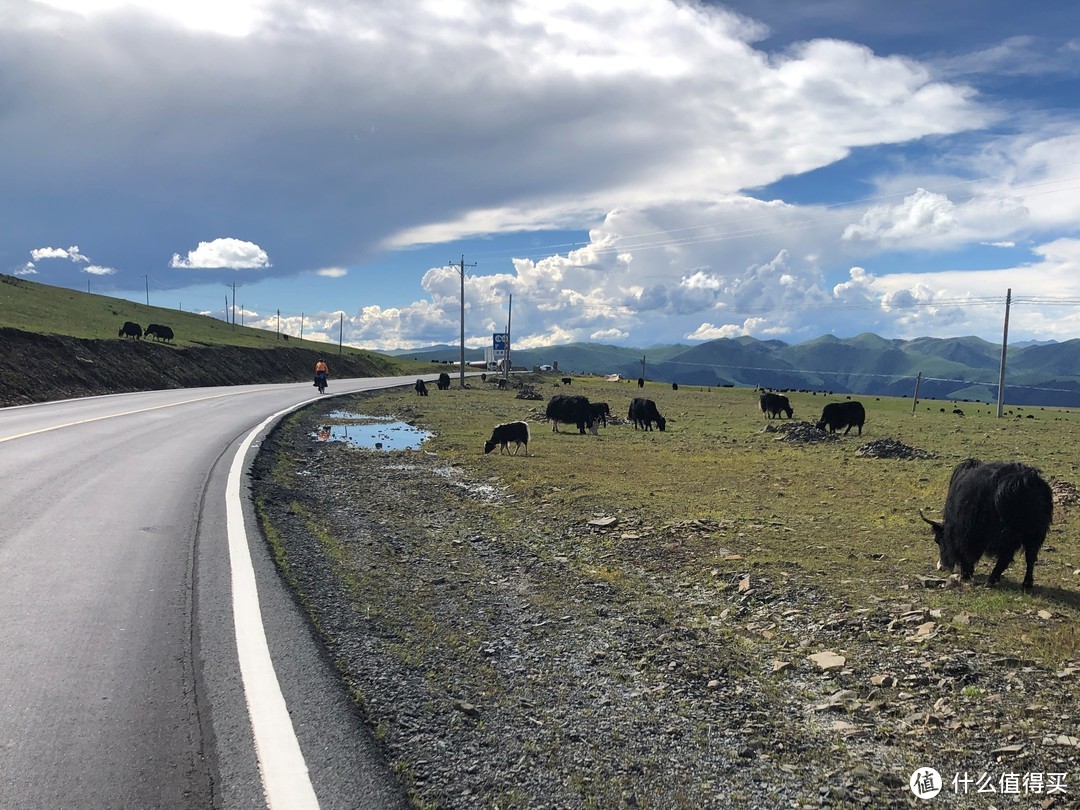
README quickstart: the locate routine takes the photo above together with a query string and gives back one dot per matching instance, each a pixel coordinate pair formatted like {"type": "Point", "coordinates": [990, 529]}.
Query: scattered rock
{"type": "Point", "coordinates": [804, 433]}
{"type": "Point", "coordinates": [891, 448]}
{"type": "Point", "coordinates": [1065, 493]}
{"type": "Point", "coordinates": [528, 392]}
{"type": "Point", "coordinates": [466, 708]}
{"type": "Point", "coordinates": [828, 661]}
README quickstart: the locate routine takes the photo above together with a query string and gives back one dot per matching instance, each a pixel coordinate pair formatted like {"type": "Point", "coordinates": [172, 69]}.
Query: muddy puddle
{"type": "Point", "coordinates": [371, 432]}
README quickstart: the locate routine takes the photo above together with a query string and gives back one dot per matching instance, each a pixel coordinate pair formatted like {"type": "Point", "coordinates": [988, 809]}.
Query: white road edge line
{"type": "Point", "coordinates": [285, 777]}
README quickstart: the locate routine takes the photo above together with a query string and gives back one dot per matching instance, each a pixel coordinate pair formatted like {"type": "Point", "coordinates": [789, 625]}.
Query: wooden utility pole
{"type": "Point", "coordinates": [915, 397]}
{"type": "Point", "coordinates": [340, 331]}
{"type": "Point", "coordinates": [1004, 348]}
{"type": "Point", "coordinates": [147, 278]}
{"type": "Point", "coordinates": [234, 304]}
{"type": "Point", "coordinates": [278, 327]}
{"type": "Point", "coordinates": [460, 267]}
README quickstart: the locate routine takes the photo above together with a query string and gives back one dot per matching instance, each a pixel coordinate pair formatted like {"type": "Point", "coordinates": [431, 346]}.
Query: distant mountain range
{"type": "Point", "coordinates": [960, 368]}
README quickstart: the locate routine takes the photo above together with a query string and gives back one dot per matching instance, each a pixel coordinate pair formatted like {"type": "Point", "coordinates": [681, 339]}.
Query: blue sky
{"type": "Point", "coordinates": [635, 172]}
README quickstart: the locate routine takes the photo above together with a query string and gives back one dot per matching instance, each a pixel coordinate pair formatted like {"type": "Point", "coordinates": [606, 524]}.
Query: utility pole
{"type": "Point", "coordinates": [279, 324]}
{"type": "Point", "coordinates": [1004, 347]}
{"type": "Point", "coordinates": [301, 325]}
{"type": "Point", "coordinates": [234, 304]}
{"type": "Point", "coordinates": [643, 367]}
{"type": "Point", "coordinates": [147, 278]}
{"type": "Point", "coordinates": [340, 331]}
{"type": "Point", "coordinates": [506, 361]}
{"type": "Point", "coordinates": [915, 396]}
{"type": "Point", "coordinates": [226, 310]}
{"type": "Point", "coordinates": [461, 270]}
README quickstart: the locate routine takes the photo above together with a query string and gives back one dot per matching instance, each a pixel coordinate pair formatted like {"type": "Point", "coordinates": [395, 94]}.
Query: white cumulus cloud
{"type": "Point", "coordinates": [223, 253]}
{"type": "Point", "coordinates": [71, 253]}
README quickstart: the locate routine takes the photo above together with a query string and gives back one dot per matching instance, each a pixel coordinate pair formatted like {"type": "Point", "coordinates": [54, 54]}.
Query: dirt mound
{"type": "Point", "coordinates": [801, 432]}
{"type": "Point", "coordinates": [38, 368]}
{"type": "Point", "coordinates": [891, 448]}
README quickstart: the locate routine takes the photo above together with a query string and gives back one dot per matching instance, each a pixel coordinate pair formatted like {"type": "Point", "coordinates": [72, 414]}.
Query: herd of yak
{"type": "Point", "coordinates": [155, 330]}
{"type": "Point", "coordinates": [991, 509]}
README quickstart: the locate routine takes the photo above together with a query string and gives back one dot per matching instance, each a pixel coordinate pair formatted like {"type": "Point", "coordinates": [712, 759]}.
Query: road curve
{"type": "Point", "coordinates": [150, 656]}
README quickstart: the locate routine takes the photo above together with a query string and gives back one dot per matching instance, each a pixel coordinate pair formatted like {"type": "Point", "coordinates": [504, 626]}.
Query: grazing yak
{"type": "Point", "coordinates": [643, 413]}
{"type": "Point", "coordinates": [502, 435]}
{"type": "Point", "coordinates": [773, 404]}
{"type": "Point", "coordinates": [600, 412]}
{"type": "Point", "coordinates": [421, 388]}
{"type": "Point", "coordinates": [993, 510]}
{"type": "Point", "coordinates": [444, 382]}
{"type": "Point", "coordinates": [130, 329]}
{"type": "Point", "coordinates": [159, 332]}
{"type": "Point", "coordinates": [571, 411]}
{"type": "Point", "coordinates": [838, 415]}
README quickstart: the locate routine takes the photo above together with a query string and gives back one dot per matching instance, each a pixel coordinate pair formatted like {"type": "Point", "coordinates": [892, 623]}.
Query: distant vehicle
{"type": "Point", "coordinates": [546, 368]}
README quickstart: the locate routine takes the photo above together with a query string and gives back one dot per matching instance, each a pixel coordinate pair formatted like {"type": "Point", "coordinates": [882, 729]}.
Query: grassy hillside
{"type": "Point", "coordinates": [70, 340]}
{"type": "Point", "coordinates": [41, 308]}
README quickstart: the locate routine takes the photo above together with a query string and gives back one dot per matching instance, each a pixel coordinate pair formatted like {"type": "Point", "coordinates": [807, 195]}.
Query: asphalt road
{"type": "Point", "coordinates": [150, 656]}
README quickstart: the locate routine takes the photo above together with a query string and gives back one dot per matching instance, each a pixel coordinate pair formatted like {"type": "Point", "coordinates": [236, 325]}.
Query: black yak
{"type": "Point", "coordinates": [773, 404]}
{"type": "Point", "coordinates": [838, 415]}
{"type": "Point", "coordinates": [421, 388]}
{"type": "Point", "coordinates": [502, 435]}
{"type": "Point", "coordinates": [600, 412]}
{"type": "Point", "coordinates": [444, 382]}
{"type": "Point", "coordinates": [571, 411]}
{"type": "Point", "coordinates": [993, 510]}
{"type": "Point", "coordinates": [159, 332]}
{"type": "Point", "coordinates": [130, 329]}
{"type": "Point", "coordinates": [643, 413]}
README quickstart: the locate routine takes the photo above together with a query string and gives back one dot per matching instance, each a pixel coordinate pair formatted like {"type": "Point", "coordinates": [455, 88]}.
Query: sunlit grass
{"type": "Point", "coordinates": [815, 512]}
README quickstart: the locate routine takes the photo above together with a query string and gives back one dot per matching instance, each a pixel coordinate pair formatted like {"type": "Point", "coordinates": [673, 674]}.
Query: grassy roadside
{"type": "Point", "coordinates": [842, 522]}
{"type": "Point", "coordinates": [702, 566]}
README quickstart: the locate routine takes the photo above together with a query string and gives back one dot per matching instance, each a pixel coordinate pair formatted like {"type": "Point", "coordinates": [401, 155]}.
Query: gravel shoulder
{"type": "Point", "coordinates": [503, 662]}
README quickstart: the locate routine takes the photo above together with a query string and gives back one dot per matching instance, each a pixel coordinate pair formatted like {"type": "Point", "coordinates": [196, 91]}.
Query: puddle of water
{"type": "Point", "coordinates": [371, 432]}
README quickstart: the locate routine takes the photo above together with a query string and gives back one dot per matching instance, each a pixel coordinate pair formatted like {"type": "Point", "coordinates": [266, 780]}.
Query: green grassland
{"type": "Point", "coordinates": [818, 513]}
{"type": "Point", "coordinates": [40, 308]}
{"type": "Point", "coordinates": [726, 560]}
